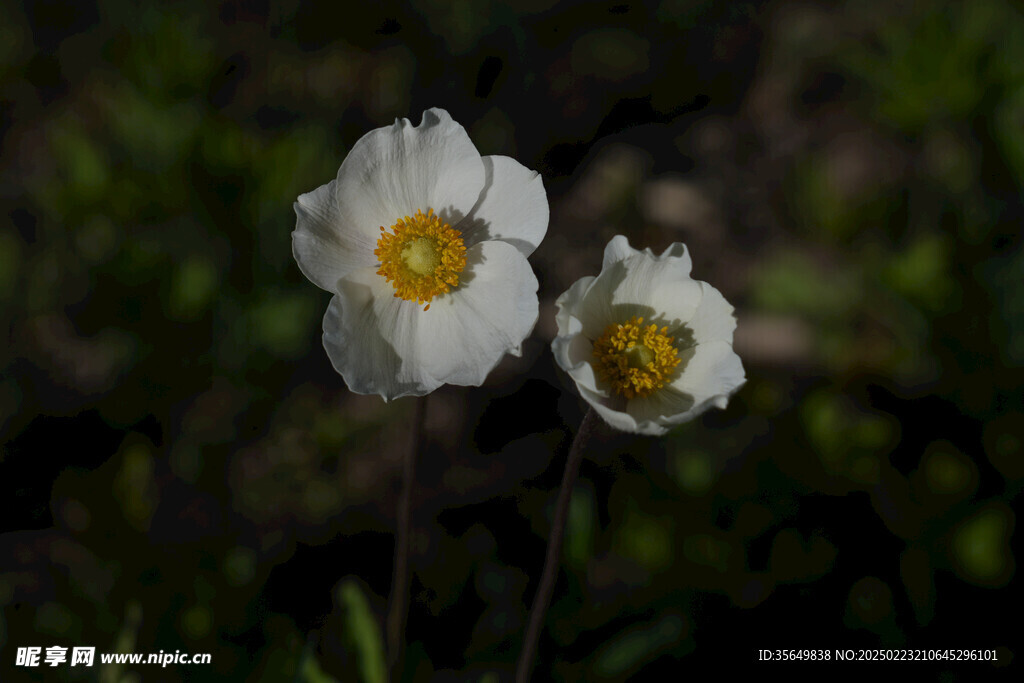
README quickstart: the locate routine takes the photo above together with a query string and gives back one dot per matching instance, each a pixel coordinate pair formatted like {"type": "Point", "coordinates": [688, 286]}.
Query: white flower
{"type": "Point", "coordinates": [423, 243]}
{"type": "Point", "coordinates": [648, 347]}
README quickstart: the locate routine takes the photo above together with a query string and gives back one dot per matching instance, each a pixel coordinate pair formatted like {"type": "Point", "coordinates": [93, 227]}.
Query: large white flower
{"type": "Point", "coordinates": [423, 243]}
{"type": "Point", "coordinates": [647, 346]}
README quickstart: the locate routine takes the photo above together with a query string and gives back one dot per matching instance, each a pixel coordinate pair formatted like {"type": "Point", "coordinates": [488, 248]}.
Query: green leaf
{"type": "Point", "coordinates": [362, 628]}
{"type": "Point", "coordinates": [312, 672]}
{"type": "Point", "coordinates": [638, 645]}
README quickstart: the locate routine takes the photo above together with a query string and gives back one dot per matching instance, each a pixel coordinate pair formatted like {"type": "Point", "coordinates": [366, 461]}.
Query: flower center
{"type": "Point", "coordinates": [635, 360]}
{"type": "Point", "coordinates": [421, 256]}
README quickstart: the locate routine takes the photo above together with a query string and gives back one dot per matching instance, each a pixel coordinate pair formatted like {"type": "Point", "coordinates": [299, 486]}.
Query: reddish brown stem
{"type": "Point", "coordinates": [554, 554]}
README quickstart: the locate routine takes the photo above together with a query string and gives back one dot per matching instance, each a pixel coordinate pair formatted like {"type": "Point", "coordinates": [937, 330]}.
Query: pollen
{"type": "Point", "coordinates": [421, 257]}
{"type": "Point", "coordinates": [636, 360]}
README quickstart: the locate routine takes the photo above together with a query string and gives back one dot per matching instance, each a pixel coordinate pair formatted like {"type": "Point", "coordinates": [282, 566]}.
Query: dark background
{"type": "Point", "coordinates": [182, 469]}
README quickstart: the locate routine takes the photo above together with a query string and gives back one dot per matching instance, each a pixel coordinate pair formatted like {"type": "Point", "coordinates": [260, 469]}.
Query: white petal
{"type": "Point", "coordinates": [677, 251]}
{"type": "Point", "coordinates": [714, 319]}
{"type": "Point", "coordinates": [384, 345]}
{"type": "Point", "coordinates": [657, 288]}
{"type": "Point", "coordinates": [663, 409]}
{"type": "Point", "coordinates": [394, 171]}
{"type": "Point", "coordinates": [357, 320]}
{"type": "Point", "coordinates": [573, 350]}
{"type": "Point", "coordinates": [490, 314]}
{"type": "Point", "coordinates": [513, 207]}
{"type": "Point", "coordinates": [618, 249]}
{"type": "Point", "coordinates": [573, 354]}
{"type": "Point", "coordinates": [323, 249]}
{"type": "Point", "coordinates": [629, 416]}
{"type": "Point", "coordinates": [714, 371]}
{"type": "Point", "coordinates": [711, 374]}
{"type": "Point", "coordinates": [611, 410]}
{"type": "Point", "coordinates": [568, 303]}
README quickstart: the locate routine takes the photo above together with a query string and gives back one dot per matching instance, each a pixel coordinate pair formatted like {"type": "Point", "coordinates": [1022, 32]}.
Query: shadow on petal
{"type": "Point", "coordinates": [352, 337]}
{"type": "Point", "coordinates": [475, 229]}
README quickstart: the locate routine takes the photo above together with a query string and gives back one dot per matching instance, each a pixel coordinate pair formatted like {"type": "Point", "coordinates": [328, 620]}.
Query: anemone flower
{"type": "Point", "coordinates": [647, 346]}
{"type": "Point", "coordinates": [423, 243]}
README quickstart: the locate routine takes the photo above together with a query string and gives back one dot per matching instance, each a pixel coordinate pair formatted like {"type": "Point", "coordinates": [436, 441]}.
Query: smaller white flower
{"type": "Point", "coordinates": [648, 347]}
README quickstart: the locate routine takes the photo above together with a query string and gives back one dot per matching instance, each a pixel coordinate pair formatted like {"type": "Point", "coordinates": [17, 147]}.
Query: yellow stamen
{"type": "Point", "coordinates": [421, 256]}
{"type": "Point", "coordinates": [635, 360]}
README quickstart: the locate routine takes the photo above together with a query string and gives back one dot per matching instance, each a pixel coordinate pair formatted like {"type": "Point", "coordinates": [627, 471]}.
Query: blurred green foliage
{"type": "Point", "coordinates": [636, 645]}
{"type": "Point", "coordinates": [185, 470]}
{"type": "Point", "coordinates": [364, 630]}
{"type": "Point", "coordinates": [981, 553]}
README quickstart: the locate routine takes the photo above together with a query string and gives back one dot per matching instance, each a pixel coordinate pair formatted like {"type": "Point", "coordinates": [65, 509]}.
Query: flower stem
{"type": "Point", "coordinates": [554, 554]}
{"type": "Point", "coordinates": [399, 609]}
